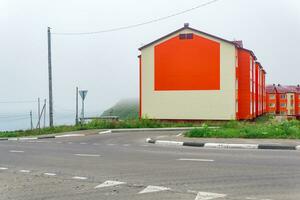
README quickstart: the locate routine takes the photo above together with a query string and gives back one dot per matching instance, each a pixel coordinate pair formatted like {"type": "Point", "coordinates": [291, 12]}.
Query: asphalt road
{"type": "Point", "coordinates": [122, 166]}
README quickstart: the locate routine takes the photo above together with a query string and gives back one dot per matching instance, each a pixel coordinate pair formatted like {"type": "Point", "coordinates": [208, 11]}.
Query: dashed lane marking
{"type": "Point", "coordinates": [24, 171]}
{"type": "Point", "coordinates": [49, 174]}
{"type": "Point", "coordinates": [195, 159]}
{"type": "Point", "coordinates": [152, 188]}
{"type": "Point", "coordinates": [208, 196]}
{"type": "Point", "coordinates": [180, 134]}
{"type": "Point", "coordinates": [82, 143]}
{"type": "Point", "coordinates": [3, 168]}
{"type": "Point", "coordinates": [109, 184]}
{"type": "Point", "coordinates": [126, 145]}
{"type": "Point", "coordinates": [79, 177]}
{"type": "Point", "coordinates": [111, 144]}
{"type": "Point", "coordinates": [96, 144]}
{"type": "Point", "coordinates": [70, 142]}
{"type": "Point", "coordinates": [87, 155]}
{"type": "Point", "coordinates": [16, 151]}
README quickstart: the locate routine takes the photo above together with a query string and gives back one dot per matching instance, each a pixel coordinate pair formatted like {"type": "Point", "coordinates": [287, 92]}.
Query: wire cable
{"type": "Point", "coordinates": [138, 24]}
{"type": "Point", "coordinates": [8, 102]}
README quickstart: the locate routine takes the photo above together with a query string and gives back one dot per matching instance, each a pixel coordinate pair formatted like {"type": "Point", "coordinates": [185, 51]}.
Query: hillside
{"type": "Point", "coordinates": [125, 109]}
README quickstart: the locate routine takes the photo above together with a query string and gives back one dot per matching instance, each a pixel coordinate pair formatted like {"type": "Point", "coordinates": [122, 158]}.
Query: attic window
{"type": "Point", "coordinates": [187, 36]}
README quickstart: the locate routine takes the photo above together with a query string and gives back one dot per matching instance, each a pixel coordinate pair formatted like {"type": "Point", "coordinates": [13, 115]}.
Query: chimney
{"type": "Point", "coordinates": [238, 43]}
{"type": "Point", "coordinates": [186, 25]}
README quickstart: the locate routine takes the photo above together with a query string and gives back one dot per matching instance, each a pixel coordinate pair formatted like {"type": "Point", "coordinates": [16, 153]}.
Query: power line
{"type": "Point", "coordinates": [12, 102]}
{"type": "Point", "coordinates": [138, 24]}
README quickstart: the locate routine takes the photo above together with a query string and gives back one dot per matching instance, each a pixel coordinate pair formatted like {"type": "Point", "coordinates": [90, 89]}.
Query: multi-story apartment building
{"type": "Point", "coordinates": [283, 100]}
{"type": "Point", "coordinates": [192, 75]}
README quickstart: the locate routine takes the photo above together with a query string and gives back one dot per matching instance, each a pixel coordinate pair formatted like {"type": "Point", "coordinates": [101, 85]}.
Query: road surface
{"type": "Point", "coordinates": [122, 166]}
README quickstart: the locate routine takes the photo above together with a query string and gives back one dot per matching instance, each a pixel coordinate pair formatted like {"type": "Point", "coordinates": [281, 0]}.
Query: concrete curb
{"type": "Point", "coordinates": [44, 137]}
{"type": "Point", "coordinates": [150, 129]}
{"type": "Point", "coordinates": [224, 145]}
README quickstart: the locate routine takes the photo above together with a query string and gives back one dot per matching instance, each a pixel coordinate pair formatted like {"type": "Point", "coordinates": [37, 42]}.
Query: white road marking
{"type": "Point", "coordinates": [69, 135]}
{"type": "Point", "coordinates": [111, 144]}
{"type": "Point", "coordinates": [152, 188]}
{"type": "Point", "coordinates": [58, 142]}
{"type": "Point", "coordinates": [82, 143]}
{"type": "Point", "coordinates": [49, 174]}
{"type": "Point", "coordinates": [208, 196]}
{"type": "Point", "coordinates": [251, 198]}
{"type": "Point", "coordinates": [24, 171]}
{"type": "Point", "coordinates": [16, 151]}
{"type": "Point", "coordinates": [195, 159]}
{"type": "Point", "coordinates": [96, 144]}
{"type": "Point", "coordinates": [180, 134]}
{"type": "Point", "coordinates": [104, 132]}
{"type": "Point", "coordinates": [87, 155]}
{"type": "Point", "coordinates": [3, 168]}
{"type": "Point", "coordinates": [79, 177]}
{"type": "Point", "coordinates": [144, 145]}
{"type": "Point", "coordinates": [126, 145]}
{"type": "Point", "coordinates": [70, 142]}
{"type": "Point", "coordinates": [109, 184]}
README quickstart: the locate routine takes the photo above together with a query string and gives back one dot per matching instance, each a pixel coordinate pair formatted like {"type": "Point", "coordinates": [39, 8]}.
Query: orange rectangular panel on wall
{"type": "Point", "coordinates": [187, 63]}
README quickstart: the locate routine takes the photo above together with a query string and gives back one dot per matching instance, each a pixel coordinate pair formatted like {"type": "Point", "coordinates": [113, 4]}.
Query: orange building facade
{"type": "Point", "coordinates": [192, 75]}
{"type": "Point", "coordinates": [283, 100]}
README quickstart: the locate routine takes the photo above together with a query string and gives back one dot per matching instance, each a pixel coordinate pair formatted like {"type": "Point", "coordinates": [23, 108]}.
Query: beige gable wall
{"type": "Point", "coordinates": [194, 105]}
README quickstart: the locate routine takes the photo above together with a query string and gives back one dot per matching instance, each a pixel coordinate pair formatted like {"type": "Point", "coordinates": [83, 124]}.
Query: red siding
{"type": "Point", "coordinates": [187, 64]}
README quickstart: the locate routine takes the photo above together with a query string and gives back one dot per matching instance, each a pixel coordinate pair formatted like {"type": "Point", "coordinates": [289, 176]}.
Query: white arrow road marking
{"type": "Point", "coordinates": [16, 151]}
{"type": "Point", "coordinates": [3, 168]}
{"type": "Point", "coordinates": [194, 159]}
{"type": "Point", "coordinates": [87, 155]}
{"type": "Point", "coordinates": [109, 184]}
{"type": "Point", "coordinates": [24, 171]}
{"type": "Point", "coordinates": [79, 177]}
{"type": "Point", "coordinates": [152, 188]}
{"type": "Point", "coordinates": [49, 174]}
{"type": "Point", "coordinates": [208, 196]}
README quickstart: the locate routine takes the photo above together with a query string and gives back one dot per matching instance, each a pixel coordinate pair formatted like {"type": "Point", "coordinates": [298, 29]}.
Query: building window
{"type": "Point", "coordinates": [283, 104]}
{"type": "Point", "coordinates": [184, 36]}
{"type": "Point", "coordinates": [282, 96]}
{"type": "Point", "coordinates": [272, 105]}
{"type": "Point", "coordinates": [271, 96]}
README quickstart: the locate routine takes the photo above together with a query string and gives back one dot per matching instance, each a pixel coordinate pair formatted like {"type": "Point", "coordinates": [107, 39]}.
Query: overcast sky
{"type": "Point", "coordinates": [106, 64]}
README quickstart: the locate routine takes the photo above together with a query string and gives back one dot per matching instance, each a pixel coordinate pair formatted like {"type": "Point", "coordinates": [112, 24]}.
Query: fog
{"type": "Point", "coordinates": [106, 64]}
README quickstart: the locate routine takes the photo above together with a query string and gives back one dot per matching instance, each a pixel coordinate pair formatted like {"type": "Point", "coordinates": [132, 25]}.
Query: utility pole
{"type": "Point", "coordinates": [45, 102]}
{"type": "Point", "coordinates": [50, 79]}
{"type": "Point", "coordinates": [76, 119]}
{"type": "Point", "coordinates": [31, 124]}
{"type": "Point", "coordinates": [39, 112]}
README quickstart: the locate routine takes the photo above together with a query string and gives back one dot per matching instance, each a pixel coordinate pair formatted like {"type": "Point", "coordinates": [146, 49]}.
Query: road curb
{"type": "Point", "coordinates": [45, 137]}
{"type": "Point", "coordinates": [224, 145]}
{"type": "Point", "coordinates": [150, 129]}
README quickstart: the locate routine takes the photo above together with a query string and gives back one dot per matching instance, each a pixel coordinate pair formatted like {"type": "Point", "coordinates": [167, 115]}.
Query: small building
{"type": "Point", "coordinates": [192, 75]}
{"type": "Point", "coordinates": [283, 100]}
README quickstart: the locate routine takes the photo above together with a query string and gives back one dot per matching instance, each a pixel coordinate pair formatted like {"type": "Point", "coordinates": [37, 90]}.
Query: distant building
{"type": "Point", "coordinates": [192, 75]}
{"type": "Point", "coordinates": [283, 100]}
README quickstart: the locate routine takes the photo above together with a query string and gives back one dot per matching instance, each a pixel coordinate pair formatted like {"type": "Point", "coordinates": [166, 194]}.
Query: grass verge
{"type": "Point", "coordinates": [261, 129]}
{"type": "Point", "coordinates": [96, 124]}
